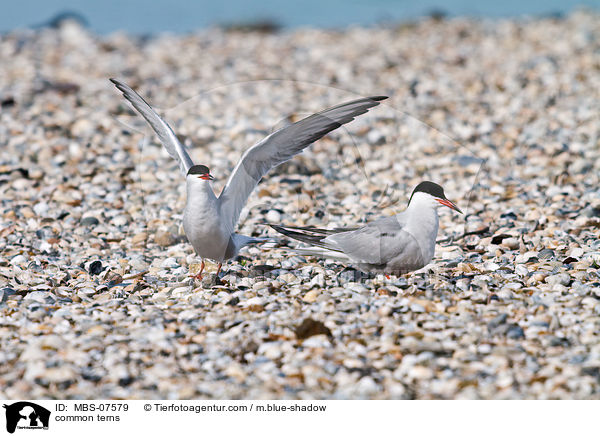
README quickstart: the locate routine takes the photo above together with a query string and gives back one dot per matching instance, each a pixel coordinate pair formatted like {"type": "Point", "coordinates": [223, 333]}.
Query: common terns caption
{"type": "Point", "coordinates": [209, 221]}
{"type": "Point", "coordinates": [391, 245]}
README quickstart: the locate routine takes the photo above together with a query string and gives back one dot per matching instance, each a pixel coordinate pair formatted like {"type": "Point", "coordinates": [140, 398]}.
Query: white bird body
{"type": "Point", "coordinates": [390, 245]}
{"type": "Point", "coordinates": [202, 222]}
{"type": "Point", "coordinates": [422, 223]}
{"type": "Point", "coordinates": [209, 221]}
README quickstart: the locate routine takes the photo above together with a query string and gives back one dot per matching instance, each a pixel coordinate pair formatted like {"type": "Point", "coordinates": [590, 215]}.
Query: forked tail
{"type": "Point", "coordinates": [242, 240]}
{"type": "Point", "coordinates": [309, 235]}
{"type": "Point", "coordinates": [315, 237]}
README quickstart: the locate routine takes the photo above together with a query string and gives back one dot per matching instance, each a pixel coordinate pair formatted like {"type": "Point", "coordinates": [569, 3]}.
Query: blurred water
{"type": "Point", "coordinates": [143, 16]}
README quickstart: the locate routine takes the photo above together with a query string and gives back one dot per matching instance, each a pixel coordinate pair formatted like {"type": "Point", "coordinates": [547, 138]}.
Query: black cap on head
{"type": "Point", "coordinates": [199, 170]}
{"type": "Point", "coordinates": [429, 188]}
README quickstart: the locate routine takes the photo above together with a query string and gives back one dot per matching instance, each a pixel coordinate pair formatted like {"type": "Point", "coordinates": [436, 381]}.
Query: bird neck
{"type": "Point", "coordinates": [422, 223]}
{"type": "Point", "coordinates": [199, 191]}
{"type": "Point", "coordinates": [422, 210]}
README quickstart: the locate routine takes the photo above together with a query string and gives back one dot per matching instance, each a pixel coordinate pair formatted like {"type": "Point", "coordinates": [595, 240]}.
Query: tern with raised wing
{"type": "Point", "coordinates": [391, 245]}
{"type": "Point", "coordinates": [209, 221]}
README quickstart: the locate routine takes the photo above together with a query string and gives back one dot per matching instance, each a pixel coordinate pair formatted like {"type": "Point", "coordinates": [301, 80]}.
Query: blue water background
{"type": "Point", "coordinates": [146, 16]}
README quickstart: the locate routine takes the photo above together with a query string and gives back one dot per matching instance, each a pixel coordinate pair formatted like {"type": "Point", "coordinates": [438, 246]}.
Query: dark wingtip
{"type": "Point", "coordinates": [120, 85]}
{"type": "Point", "coordinates": [283, 230]}
{"type": "Point", "coordinates": [378, 97]}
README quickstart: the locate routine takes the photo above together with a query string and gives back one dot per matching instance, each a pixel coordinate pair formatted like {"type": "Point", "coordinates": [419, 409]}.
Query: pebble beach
{"type": "Point", "coordinates": [96, 301]}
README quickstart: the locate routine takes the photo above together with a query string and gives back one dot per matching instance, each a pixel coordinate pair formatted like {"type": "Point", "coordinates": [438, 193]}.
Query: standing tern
{"type": "Point", "coordinates": [391, 245]}
{"type": "Point", "coordinates": [209, 221]}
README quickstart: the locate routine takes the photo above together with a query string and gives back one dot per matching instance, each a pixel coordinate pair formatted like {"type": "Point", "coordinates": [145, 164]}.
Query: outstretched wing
{"type": "Point", "coordinates": [166, 135]}
{"type": "Point", "coordinates": [279, 147]}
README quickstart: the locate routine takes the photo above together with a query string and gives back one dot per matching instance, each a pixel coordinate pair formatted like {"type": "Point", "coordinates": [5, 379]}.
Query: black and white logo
{"type": "Point", "coordinates": [26, 415]}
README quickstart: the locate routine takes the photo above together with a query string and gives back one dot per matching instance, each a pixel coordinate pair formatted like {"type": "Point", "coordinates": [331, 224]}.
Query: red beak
{"type": "Point", "coordinates": [449, 204]}
{"type": "Point", "coordinates": [206, 177]}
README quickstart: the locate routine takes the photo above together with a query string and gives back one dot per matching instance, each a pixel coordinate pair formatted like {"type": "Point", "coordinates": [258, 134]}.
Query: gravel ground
{"type": "Point", "coordinates": [95, 299]}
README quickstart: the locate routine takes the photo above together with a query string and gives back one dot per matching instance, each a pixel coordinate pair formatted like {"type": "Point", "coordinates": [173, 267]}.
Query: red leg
{"type": "Point", "coordinates": [199, 275]}
{"type": "Point", "coordinates": [219, 269]}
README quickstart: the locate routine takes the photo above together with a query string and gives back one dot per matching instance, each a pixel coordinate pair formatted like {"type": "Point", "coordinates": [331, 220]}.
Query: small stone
{"type": "Point", "coordinates": [112, 279]}
{"type": "Point", "coordinates": [209, 280]}
{"type": "Point", "coordinates": [546, 254]}
{"type": "Point", "coordinates": [164, 238]}
{"type": "Point", "coordinates": [42, 297]}
{"type": "Point", "coordinates": [234, 301]}
{"type": "Point", "coordinates": [5, 293]}
{"type": "Point", "coordinates": [528, 257]}
{"type": "Point", "coordinates": [384, 311]}
{"type": "Point", "coordinates": [138, 263]}
{"type": "Point", "coordinates": [561, 279]}
{"type": "Point", "coordinates": [515, 332]}
{"type": "Point", "coordinates": [235, 371]}
{"type": "Point", "coordinates": [82, 127]}
{"type": "Point", "coordinates": [317, 341]}
{"type": "Point", "coordinates": [254, 301]}
{"type": "Point", "coordinates": [63, 291]}
{"type": "Point", "coordinates": [521, 270]}
{"type": "Point", "coordinates": [311, 296]}
{"type": "Point", "coordinates": [18, 260]}
{"type": "Point", "coordinates": [420, 372]}
{"type": "Point", "coordinates": [497, 321]}
{"type": "Point", "coordinates": [310, 327]}
{"type": "Point", "coordinates": [375, 137]}
{"type": "Point", "coordinates": [86, 292]}
{"type": "Point", "coordinates": [90, 221]}
{"type": "Point", "coordinates": [511, 243]}
{"type": "Point", "coordinates": [41, 208]}
{"type": "Point", "coordinates": [273, 217]}
{"type": "Point", "coordinates": [169, 262]}
{"type": "Point", "coordinates": [367, 386]}
{"type": "Point", "coordinates": [491, 266]}
{"type": "Point", "coordinates": [27, 212]}
{"type": "Point", "coordinates": [139, 238]}
{"type": "Point", "coordinates": [263, 284]}
{"type": "Point", "coordinates": [577, 252]}
{"type": "Point", "coordinates": [60, 374]}
{"type": "Point", "coordinates": [53, 342]}
{"type": "Point", "coordinates": [120, 220]}
{"type": "Point", "coordinates": [591, 211]}
{"type": "Point", "coordinates": [270, 350]}
{"type": "Point", "coordinates": [103, 297]}
{"type": "Point", "coordinates": [95, 268]}
{"type": "Point", "coordinates": [417, 308]}
{"type": "Point", "coordinates": [498, 239]}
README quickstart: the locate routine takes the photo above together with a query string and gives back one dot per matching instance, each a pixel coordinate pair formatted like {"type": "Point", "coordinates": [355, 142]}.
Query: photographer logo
{"type": "Point", "coordinates": [25, 415]}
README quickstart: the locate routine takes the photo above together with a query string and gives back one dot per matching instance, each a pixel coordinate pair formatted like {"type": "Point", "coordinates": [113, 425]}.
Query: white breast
{"type": "Point", "coordinates": [422, 224]}
{"type": "Point", "coordinates": [202, 222]}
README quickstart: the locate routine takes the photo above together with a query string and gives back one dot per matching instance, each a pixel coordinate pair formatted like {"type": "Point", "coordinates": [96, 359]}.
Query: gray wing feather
{"type": "Point", "coordinates": [279, 147]}
{"type": "Point", "coordinates": [166, 135]}
{"type": "Point", "coordinates": [376, 243]}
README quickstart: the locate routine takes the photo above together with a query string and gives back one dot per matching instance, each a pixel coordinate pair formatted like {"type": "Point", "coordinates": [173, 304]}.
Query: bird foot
{"type": "Point", "coordinates": [199, 275]}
